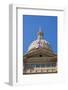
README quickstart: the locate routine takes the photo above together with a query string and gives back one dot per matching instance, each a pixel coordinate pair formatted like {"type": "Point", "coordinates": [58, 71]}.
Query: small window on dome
{"type": "Point", "coordinates": [40, 55]}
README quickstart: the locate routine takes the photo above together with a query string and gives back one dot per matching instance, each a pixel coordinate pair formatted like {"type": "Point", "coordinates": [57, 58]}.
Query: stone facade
{"type": "Point", "coordinates": [39, 61]}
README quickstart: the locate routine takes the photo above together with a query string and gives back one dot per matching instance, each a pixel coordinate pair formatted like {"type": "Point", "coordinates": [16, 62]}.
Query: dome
{"type": "Point", "coordinates": [39, 43]}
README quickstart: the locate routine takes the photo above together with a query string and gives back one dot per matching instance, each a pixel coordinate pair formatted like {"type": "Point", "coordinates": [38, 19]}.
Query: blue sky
{"type": "Point", "coordinates": [31, 26]}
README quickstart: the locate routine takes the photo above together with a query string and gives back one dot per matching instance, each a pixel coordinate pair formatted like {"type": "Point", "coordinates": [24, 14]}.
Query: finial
{"type": "Point", "coordinates": [40, 34]}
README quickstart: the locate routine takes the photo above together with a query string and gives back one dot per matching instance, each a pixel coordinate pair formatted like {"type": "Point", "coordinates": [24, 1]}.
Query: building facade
{"type": "Point", "coordinates": [40, 58]}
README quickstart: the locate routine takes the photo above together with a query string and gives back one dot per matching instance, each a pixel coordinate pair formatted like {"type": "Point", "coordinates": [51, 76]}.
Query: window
{"type": "Point", "coordinates": [37, 65]}
{"type": "Point", "coordinates": [33, 65]}
{"type": "Point", "coordinates": [40, 55]}
{"type": "Point", "coordinates": [54, 64]}
{"type": "Point", "coordinates": [27, 65]}
{"type": "Point", "coordinates": [42, 65]}
{"type": "Point", "coordinates": [48, 65]}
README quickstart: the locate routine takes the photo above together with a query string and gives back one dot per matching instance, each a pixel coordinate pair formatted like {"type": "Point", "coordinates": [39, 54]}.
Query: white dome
{"type": "Point", "coordinates": [38, 44]}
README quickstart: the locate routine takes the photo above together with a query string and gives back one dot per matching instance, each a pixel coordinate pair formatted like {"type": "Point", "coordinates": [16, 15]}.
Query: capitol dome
{"type": "Point", "coordinates": [39, 43]}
